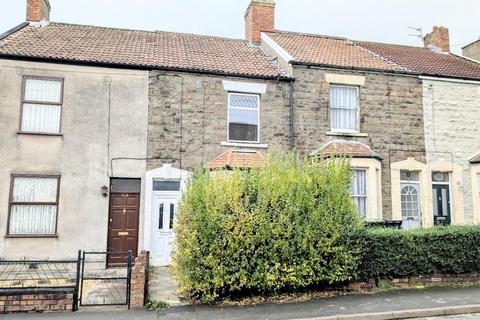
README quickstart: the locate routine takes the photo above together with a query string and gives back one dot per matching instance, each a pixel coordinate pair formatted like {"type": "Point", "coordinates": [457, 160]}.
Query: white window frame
{"type": "Point", "coordinates": [35, 203]}
{"type": "Point", "coordinates": [25, 101]}
{"type": "Point", "coordinates": [356, 196]}
{"type": "Point", "coordinates": [357, 124]}
{"type": "Point", "coordinates": [243, 108]}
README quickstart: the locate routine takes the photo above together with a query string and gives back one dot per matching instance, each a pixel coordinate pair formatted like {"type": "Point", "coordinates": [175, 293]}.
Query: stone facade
{"type": "Point", "coordinates": [188, 118]}
{"type": "Point", "coordinates": [391, 117]}
{"type": "Point", "coordinates": [451, 130]}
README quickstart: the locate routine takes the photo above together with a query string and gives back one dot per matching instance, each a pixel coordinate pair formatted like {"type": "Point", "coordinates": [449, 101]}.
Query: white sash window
{"type": "Point", "coordinates": [41, 105]}
{"type": "Point", "coordinates": [344, 109]}
{"type": "Point", "coordinates": [33, 205]}
{"type": "Point", "coordinates": [358, 190]}
{"type": "Point", "coordinates": [243, 117]}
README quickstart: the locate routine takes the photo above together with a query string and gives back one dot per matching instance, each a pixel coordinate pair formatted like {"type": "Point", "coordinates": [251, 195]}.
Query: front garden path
{"type": "Point", "coordinates": [161, 286]}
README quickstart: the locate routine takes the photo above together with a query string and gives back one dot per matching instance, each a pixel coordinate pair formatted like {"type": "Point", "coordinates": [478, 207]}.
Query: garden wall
{"type": "Point", "coordinates": [36, 300]}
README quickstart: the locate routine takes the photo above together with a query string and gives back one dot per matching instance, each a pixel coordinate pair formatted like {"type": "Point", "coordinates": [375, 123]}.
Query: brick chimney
{"type": "Point", "coordinates": [439, 38]}
{"type": "Point", "coordinates": [260, 17]}
{"type": "Point", "coordinates": [38, 10]}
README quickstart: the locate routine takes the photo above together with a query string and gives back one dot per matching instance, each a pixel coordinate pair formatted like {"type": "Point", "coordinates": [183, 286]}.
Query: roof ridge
{"type": "Point", "coordinates": [390, 44]}
{"type": "Point", "coordinates": [313, 35]}
{"type": "Point", "coordinates": [148, 31]}
{"type": "Point", "coordinates": [384, 59]}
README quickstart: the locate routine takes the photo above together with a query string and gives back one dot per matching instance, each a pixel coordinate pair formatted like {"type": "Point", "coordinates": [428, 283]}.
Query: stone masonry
{"type": "Point", "coordinates": [390, 113]}
{"type": "Point", "coordinates": [451, 128]}
{"type": "Point", "coordinates": [188, 118]}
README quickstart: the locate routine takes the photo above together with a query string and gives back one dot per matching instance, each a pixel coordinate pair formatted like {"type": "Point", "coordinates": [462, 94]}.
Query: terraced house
{"type": "Point", "coordinates": [103, 126]}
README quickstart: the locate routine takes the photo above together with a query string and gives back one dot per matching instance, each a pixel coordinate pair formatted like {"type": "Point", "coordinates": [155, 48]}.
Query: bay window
{"type": "Point", "coordinates": [358, 190]}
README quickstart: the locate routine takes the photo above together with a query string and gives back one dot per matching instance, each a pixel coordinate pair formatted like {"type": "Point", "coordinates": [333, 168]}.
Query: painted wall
{"type": "Point", "coordinates": [452, 130]}
{"type": "Point", "coordinates": [391, 117]}
{"type": "Point", "coordinates": [83, 155]}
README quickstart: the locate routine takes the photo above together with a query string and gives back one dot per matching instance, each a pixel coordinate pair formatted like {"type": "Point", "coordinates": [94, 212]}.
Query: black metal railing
{"type": "Point", "coordinates": [100, 286]}
{"type": "Point", "coordinates": [30, 275]}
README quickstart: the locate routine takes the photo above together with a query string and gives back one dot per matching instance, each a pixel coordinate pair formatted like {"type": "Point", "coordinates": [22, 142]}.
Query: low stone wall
{"type": "Point", "coordinates": [423, 280]}
{"type": "Point", "coordinates": [36, 300]}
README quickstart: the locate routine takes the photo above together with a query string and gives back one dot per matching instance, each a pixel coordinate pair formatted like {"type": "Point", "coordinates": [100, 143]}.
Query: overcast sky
{"type": "Point", "coordinates": [374, 20]}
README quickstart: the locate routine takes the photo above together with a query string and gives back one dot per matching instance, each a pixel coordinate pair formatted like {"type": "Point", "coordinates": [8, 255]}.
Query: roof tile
{"type": "Point", "coordinates": [157, 49]}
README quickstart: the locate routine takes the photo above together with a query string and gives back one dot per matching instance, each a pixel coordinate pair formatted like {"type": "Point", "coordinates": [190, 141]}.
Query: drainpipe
{"type": "Point", "coordinates": [291, 116]}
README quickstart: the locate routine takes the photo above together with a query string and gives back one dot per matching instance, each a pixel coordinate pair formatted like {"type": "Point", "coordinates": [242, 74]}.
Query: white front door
{"type": "Point", "coordinates": [164, 209]}
{"type": "Point", "coordinates": [410, 198]}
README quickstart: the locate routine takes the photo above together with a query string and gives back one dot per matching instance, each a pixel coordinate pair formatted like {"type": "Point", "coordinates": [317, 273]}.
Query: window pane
{"type": "Point", "coordinates": [41, 118]}
{"type": "Point", "coordinates": [344, 107]}
{"type": "Point", "coordinates": [28, 219]}
{"type": "Point", "coordinates": [244, 101]}
{"type": "Point", "coordinates": [31, 189]}
{"type": "Point", "coordinates": [409, 175]}
{"type": "Point", "coordinates": [243, 125]}
{"type": "Point", "coordinates": [166, 185]}
{"type": "Point", "coordinates": [43, 90]}
{"type": "Point", "coordinates": [358, 186]}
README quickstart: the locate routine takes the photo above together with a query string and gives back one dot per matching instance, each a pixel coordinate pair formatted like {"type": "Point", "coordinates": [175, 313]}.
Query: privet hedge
{"type": "Point", "coordinates": [286, 225]}
{"type": "Point", "coordinates": [396, 253]}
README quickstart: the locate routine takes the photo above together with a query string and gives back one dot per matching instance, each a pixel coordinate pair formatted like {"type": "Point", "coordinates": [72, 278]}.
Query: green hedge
{"type": "Point", "coordinates": [286, 225]}
{"type": "Point", "coordinates": [397, 253]}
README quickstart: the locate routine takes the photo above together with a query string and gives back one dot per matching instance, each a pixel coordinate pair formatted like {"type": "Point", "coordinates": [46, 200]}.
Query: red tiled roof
{"type": "Point", "coordinates": [425, 60]}
{"type": "Point", "coordinates": [354, 149]}
{"type": "Point", "coordinates": [317, 49]}
{"type": "Point", "coordinates": [341, 52]}
{"type": "Point", "coordinates": [237, 159]}
{"type": "Point", "coordinates": [81, 43]}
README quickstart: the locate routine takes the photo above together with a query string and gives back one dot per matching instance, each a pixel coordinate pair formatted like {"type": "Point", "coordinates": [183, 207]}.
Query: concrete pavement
{"type": "Point", "coordinates": [387, 305]}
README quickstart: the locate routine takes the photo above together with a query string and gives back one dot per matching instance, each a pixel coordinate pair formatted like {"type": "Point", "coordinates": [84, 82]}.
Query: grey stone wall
{"type": "Point", "coordinates": [188, 117]}
{"type": "Point", "coordinates": [391, 113]}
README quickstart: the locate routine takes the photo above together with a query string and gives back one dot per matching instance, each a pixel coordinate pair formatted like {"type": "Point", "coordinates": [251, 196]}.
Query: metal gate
{"type": "Point", "coordinates": [102, 286]}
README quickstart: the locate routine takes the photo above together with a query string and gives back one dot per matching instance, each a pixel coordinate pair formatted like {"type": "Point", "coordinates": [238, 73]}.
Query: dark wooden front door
{"type": "Point", "coordinates": [123, 226]}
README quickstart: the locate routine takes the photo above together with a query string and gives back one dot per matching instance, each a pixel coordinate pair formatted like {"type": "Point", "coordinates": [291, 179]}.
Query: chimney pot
{"type": "Point", "coordinates": [38, 10]}
{"type": "Point", "coordinates": [259, 17]}
{"type": "Point", "coordinates": [439, 38]}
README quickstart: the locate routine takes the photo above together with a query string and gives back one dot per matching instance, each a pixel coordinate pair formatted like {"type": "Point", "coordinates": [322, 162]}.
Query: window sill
{"type": "Point", "coordinates": [31, 236]}
{"type": "Point", "coordinates": [244, 145]}
{"type": "Point", "coordinates": [347, 134]}
{"type": "Point", "coordinates": [40, 134]}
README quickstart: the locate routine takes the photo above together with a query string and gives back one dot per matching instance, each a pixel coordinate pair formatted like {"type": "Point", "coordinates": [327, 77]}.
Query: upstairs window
{"type": "Point", "coordinates": [243, 117]}
{"type": "Point", "coordinates": [358, 191]}
{"type": "Point", "coordinates": [33, 205]}
{"type": "Point", "coordinates": [41, 105]}
{"type": "Point", "coordinates": [344, 109]}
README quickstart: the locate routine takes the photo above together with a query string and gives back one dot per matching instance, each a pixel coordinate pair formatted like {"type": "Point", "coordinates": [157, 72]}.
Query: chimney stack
{"type": "Point", "coordinates": [38, 10]}
{"type": "Point", "coordinates": [439, 38]}
{"type": "Point", "coordinates": [260, 17]}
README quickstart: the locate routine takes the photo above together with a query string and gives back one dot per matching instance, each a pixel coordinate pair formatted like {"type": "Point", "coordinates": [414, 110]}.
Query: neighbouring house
{"type": "Point", "coordinates": [103, 126]}
{"type": "Point", "coordinates": [472, 50]}
{"type": "Point", "coordinates": [405, 114]}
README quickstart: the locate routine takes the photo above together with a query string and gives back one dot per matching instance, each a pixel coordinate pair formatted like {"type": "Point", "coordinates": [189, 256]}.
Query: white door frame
{"type": "Point", "coordinates": [166, 172]}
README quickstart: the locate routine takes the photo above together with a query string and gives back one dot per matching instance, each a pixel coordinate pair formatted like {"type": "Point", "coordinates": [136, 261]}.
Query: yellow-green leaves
{"type": "Point", "coordinates": [282, 226]}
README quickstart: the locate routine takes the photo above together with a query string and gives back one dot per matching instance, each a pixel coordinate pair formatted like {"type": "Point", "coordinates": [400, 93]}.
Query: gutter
{"type": "Point", "coordinates": [13, 30]}
{"type": "Point", "coordinates": [395, 72]}
{"type": "Point", "coordinates": [140, 67]}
